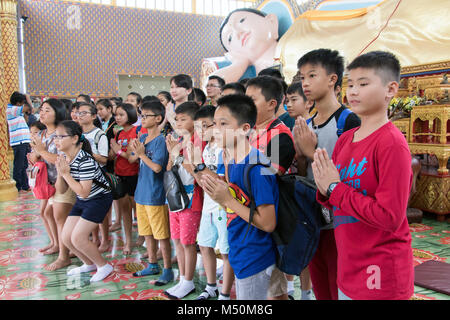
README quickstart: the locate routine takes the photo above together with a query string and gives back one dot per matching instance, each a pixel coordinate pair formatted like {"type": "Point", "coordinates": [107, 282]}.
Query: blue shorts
{"type": "Point", "coordinates": [93, 210]}
{"type": "Point", "coordinates": [213, 230]}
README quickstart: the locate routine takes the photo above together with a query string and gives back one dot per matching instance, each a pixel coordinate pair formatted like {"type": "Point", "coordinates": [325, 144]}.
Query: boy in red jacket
{"type": "Point", "coordinates": [367, 184]}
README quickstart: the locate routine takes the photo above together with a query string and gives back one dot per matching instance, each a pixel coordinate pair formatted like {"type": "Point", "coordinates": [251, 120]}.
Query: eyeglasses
{"type": "Point", "coordinates": [82, 113]}
{"type": "Point", "coordinates": [60, 136]}
{"type": "Point", "coordinates": [145, 116]}
{"type": "Point", "coordinates": [212, 86]}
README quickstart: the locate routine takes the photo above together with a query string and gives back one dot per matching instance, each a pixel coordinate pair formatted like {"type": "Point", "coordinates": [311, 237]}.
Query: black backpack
{"type": "Point", "coordinates": [299, 221]}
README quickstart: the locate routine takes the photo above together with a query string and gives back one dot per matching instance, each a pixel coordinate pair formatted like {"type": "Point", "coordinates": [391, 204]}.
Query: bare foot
{"type": "Point", "coordinates": [115, 227]}
{"type": "Point", "coordinates": [57, 264]}
{"type": "Point", "coordinates": [140, 241]}
{"type": "Point", "coordinates": [52, 250]}
{"type": "Point", "coordinates": [127, 249]}
{"type": "Point", "coordinates": [46, 248]}
{"type": "Point", "coordinates": [103, 247]}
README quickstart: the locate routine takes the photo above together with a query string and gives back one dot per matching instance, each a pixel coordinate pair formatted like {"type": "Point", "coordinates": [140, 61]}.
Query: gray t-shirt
{"type": "Point", "coordinates": [327, 137]}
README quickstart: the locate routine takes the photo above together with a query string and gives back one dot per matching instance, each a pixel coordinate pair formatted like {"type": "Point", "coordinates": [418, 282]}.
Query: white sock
{"type": "Point", "coordinates": [306, 295]}
{"type": "Point", "coordinates": [290, 287]}
{"type": "Point", "coordinates": [222, 297]}
{"type": "Point", "coordinates": [175, 287]}
{"type": "Point", "coordinates": [211, 290]}
{"type": "Point", "coordinates": [184, 289]}
{"type": "Point", "coordinates": [102, 273]}
{"type": "Point", "coordinates": [82, 269]}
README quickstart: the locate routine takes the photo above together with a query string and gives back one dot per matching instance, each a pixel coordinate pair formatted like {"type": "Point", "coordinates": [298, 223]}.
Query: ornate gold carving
{"type": "Point", "coordinates": [403, 126]}
{"type": "Point", "coordinates": [436, 66]}
{"type": "Point", "coordinates": [433, 194]}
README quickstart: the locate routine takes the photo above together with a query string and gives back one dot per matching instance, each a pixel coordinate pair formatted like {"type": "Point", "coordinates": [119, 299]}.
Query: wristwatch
{"type": "Point", "coordinates": [331, 188]}
{"type": "Point", "coordinates": [199, 167]}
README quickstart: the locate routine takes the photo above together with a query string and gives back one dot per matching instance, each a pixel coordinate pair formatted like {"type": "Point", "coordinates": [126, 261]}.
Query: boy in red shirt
{"type": "Point", "coordinates": [367, 184]}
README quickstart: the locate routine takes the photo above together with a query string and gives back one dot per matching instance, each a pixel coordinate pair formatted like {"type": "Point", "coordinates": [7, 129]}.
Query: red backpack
{"type": "Point", "coordinates": [41, 189]}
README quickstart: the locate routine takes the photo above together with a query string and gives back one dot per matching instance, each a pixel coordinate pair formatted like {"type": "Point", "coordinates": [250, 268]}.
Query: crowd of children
{"type": "Point", "coordinates": [358, 160]}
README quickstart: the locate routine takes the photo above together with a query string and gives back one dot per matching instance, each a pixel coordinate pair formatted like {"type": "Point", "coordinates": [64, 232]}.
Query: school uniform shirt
{"type": "Point", "coordinates": [83, 167]}
{"type": "Point", "coordinates": [211, 156]}
{"type": "Point", "coordinates": [102, 147]}
{"type": "Point", "coordinates": [375, 259]}
{"type": "Point", "coordinates": [150, 187]}
{"type": "Point", "coordinates": [287, 120]}
{"type": "Point", "coordinates": [276, 143]}
{"type": "Point", "coordinates": [123, 167]}
{"type": "Point", "coordinates": [256, 252]}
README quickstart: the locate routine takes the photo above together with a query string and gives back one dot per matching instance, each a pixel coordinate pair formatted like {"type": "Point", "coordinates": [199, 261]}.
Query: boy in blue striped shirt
{"type": "Point", "coordinates": [19, 139]}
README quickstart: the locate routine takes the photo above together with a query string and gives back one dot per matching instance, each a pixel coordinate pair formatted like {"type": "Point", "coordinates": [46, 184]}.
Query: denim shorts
{"type": "Point", "coordinates": [93, 210]}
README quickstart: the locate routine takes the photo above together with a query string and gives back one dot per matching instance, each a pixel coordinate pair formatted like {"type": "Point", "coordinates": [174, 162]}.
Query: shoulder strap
{"type": "Point", "coordinates": [110, 125]}
{"type": "Point", "coordinates": [117, 135]}
{"type": "Point", "coordinates": [341, 121]}
{"type": "Point", "coordinates": [101, 184]}
{"type": "Point", "coordinates": [308, 121]}
{"type": "Point", "coordinates": [97, 137]}
{"type": "Point", "coordinates": [248, 186]}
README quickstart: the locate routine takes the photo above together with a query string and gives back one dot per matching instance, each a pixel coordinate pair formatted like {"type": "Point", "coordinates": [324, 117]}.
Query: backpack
{"type": "Point", "coordinates": [97, 137]}
{"type": "Point", "coordinates": [341, 121]}
{"type": "Point", "coordinates": [42, 189]}
{"type": "Point", "coordinates": [176, 195]}
{"type": "Point", "coordinates": [296, 235]}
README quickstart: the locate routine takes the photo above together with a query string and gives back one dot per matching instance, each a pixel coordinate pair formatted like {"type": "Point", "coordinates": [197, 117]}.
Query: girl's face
{"type": "Point", "coordinates": [63, 141]}
{"type": "Point", "coordinates": [85, 117]}
{"type": "Point", "coordinates": [163, 99]}
{"type": "Point", "coordinates": [179, 93]}
{"type": "Point", "coordinates": [73, 115]}
{"type": "Point", "coordinates": [121, 117]}
{"type": "Point", "coordinates": [47, 115]}
{"type": "Point", "coordinates": [131, 99]}
{"type": "Point", "coordinates": [103, 112]}
{"type": "Point", "coordinates": [114, 106]}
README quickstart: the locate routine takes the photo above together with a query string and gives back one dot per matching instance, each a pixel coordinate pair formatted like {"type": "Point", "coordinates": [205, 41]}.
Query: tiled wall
{"type": "Point", "coordinates": [73, 48]}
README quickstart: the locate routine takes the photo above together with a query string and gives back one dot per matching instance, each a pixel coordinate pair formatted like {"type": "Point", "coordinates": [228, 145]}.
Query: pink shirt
{"type": "Point", "coordinates": [375, 259]}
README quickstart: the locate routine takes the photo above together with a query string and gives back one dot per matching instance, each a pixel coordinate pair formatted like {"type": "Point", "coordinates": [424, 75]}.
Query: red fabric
{"type": "Point", "coordinates": [375, 258]}
{"type": "Point", "coordinates": [123, 167]}
{"type": "Point", "coordinates": [42, 189]}
{"type": "Point", "coordinates": [323, 267]}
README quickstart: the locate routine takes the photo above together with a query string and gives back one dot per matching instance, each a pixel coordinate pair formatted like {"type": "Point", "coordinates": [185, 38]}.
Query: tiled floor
{"type": "Point", "coordinates": [22, 275]}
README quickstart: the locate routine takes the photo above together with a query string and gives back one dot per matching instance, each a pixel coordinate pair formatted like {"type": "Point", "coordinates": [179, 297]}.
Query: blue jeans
{"type": "Point", "coordinates": [342, 295]}
{"type": "Point", "coordinates": [20, 166]}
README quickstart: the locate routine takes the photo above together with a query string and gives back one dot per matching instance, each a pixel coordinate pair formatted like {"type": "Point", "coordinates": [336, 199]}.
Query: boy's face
{"type": "Point", "coordinates": [249, 34]}
{"type": "Point", "coordinates": [184, 124]}
{"type": "Point", "coordinates": [204, 128]}
{"type": "Point", "coordinates": [367, 93]}
{"type": "Point", "coordinates": [316, 82]}
{"type": "Point", "coordinates": [297, 106]}
{"type": "Point", "coordinates": [227, 130]}
{"type": "Point", "coordinates": [265, 108]}
{"type": "Point", "coordinates": [85, 116]}
{"type": "Point", "coordinates": [149, 119]}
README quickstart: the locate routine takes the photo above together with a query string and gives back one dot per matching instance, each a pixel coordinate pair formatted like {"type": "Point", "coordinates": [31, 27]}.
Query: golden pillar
{"type": "Point", "coordinates": [9, 82]}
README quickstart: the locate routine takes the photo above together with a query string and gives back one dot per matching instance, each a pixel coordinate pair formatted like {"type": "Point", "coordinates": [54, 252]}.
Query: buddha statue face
{"type": "Point", "coordinates": [249, 34]}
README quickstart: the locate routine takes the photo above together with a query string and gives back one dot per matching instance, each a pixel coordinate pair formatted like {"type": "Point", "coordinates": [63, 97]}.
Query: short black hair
{"type": "Point", "coordinates": [329, 59]}
{"type": "Point", "coordinates": [156, 107]}
{"type": "Point", "coordinates": [271, 88]}
{"type": "Point", "coordinates": [17, 97]}
{"type": "Point", "coordinates": [189, 107]}
{"type": "Point", "coordinates": [205, 112]}
{"type": "Point", "coordinates": [244, 81]}
{"type": "Point", "coordinates": [68, 103]}
{"type": "Point", "coordinates": [219, 80]}
{"type": "Point", "coordinates": [200, 95]}
{"type": "Point", "coordinates": [131, 112]}
{"type": "Point", "coordinates": [38, 125]}
{"type": "Point", "coordinates": [166, 95]}
{"type": "Point", "coordinates": [149, 98]}
{"type": "Point", "coordinates": [137, 95]}
{"type": "Point", "coordinates": [59, 107]}
{"type": "Point", "coordinates": [385, 64]}
{"type": "Point", "coordinates": [241, 107]}
{"type": "Point", "coordinates": [271, 72]}
{"type": "Point", "coordinates": [296, 87]}
{"type": "Point", "coordinates": [86, 97]}
{"type": "Point", "coordinates": [106, 103]}
{"type": "Point", "coordinates": [236, 86]}
{"type": "Point", "coordinates": [182, 80]}
{"type": "Point", "coordinates": [92, 108]}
